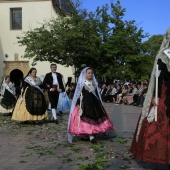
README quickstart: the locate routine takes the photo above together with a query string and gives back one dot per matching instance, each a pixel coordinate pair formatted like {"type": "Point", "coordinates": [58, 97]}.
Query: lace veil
{"type": "Point", "coordinates": [145, 110]}
{"type": "Point", "coordinates": [79, 87]}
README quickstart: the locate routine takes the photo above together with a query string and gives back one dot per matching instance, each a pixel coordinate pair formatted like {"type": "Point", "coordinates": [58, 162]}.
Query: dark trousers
{"type": "Point", "coordinates": [109, 98]}
{"type": "Point", "coordinates": [135, 98]}
{"type": "Point", "coordinates": [53, 97]}
{"type": "Point", "coordinates": [106, 98]}
{"type": "Point", "coordinates": [140, 100]}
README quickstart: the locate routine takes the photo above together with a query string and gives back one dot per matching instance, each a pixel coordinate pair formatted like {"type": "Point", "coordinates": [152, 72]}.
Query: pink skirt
{"type": "Point", "coordinates": [78, 127]}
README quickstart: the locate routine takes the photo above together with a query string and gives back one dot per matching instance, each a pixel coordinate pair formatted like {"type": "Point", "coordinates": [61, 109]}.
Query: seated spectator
{"type": "Point", "coordinates": [119, 91]}
{"type": "Point", "coordinates": [128, 98]}
{"type": "Point", "coordinates": [110, 96]}
{"type": "Point", "coordinates": [142, 95]}
{"type": "Point", "coordinates": [122, 94]}
{"type": "Point", "coordinates": [109, 90]}
{"type": "Point", "coordinates": [135, 97]}
{"type": "Point", "coordinates": [129, 90]}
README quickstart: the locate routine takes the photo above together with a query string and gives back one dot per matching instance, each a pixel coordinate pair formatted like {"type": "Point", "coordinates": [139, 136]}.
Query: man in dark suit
{"type": "Point", "coordinates": [54, 83]}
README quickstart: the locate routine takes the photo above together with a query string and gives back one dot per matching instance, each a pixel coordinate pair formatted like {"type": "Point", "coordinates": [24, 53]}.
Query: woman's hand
{"type": "Point", "coordinates": [80, 111]}
{"type": "Point", "coordinates": [52, 89]}
{"type": "Point", "coordinates": [154, 102]}
{"type": "Point", "coordinates": [20, 100]}
{"type": "Point", "coordinates": [78, 107]}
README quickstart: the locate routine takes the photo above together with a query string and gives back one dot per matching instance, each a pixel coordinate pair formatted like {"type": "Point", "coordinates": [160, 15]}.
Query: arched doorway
{"type": "Point", "coordinates": [10, 66]}
{"type": "Point", "coordinates": [16, 76]}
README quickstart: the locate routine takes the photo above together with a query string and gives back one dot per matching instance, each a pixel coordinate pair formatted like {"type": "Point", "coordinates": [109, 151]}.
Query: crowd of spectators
{"type": "Point", "coordinates": [128, 92]}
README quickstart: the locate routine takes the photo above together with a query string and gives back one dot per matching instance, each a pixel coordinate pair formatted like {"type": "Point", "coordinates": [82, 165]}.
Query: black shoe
{"type": "Point", "coordinates": [25, 122]}
{"type": "Point", "coordinates": [36, 123]}
{"type": "Point", "coordinates": [56, 121]}
{"type": "Point", "coordinates": [84, 139]}
{"type": "Point", "coordinates": [51, 121]}
{"type": "Point", "coordinates": [93, 141]}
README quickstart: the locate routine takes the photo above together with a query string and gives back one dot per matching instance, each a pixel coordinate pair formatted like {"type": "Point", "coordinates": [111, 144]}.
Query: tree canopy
{"type": "Point", "coordinates": [102, 40]}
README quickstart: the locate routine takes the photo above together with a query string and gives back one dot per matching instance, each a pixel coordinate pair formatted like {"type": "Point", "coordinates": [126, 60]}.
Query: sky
{"type": "Point", "coordinates": [151, 15]}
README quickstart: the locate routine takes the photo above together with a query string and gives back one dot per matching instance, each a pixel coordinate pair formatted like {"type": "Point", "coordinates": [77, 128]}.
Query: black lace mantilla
{"type": "Point", "coordinates": [35, 101]}
{"type": "Point", "coordinates": [93, 111]}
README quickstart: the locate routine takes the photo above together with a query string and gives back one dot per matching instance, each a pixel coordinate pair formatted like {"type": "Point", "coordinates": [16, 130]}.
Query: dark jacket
{"type": "Point", "coordinates": [48, 80]}
{"type": "Point", "coordinates": [103, 92]}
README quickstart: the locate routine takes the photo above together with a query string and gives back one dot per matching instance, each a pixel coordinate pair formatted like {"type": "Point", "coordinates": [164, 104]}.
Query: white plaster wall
{"type": "Point", "coordinates": [33, 15]}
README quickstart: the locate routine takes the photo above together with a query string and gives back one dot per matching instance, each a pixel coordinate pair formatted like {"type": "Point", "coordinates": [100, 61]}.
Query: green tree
{"type": "Point", "coordinates": [152, 45]}
{"type": "Point", "coordinates": [67, 41]}
{"type": "Point", "coordinates": [102, 40]}
{"type": "Point", "coordinates": [123, 48]}
{"type": "Point", "coordinates": [150, 50]}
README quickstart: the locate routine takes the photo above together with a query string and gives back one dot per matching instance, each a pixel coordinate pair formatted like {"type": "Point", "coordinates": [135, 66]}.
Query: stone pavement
{"type": "Point", "coordinates": [125, 119]}
{"type": "Point", "coordinates": [45, 146]}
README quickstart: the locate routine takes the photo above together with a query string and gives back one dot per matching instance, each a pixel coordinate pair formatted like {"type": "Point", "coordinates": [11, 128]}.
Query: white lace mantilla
{"type": "Point", "coordinates": [34, 82]}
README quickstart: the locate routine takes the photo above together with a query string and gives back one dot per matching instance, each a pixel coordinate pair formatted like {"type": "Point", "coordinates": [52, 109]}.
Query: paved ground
{"type": "Point", "coordinates": [45, 146]}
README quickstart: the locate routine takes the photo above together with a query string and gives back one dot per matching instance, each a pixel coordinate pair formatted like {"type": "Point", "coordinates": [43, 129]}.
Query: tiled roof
{"type": "Point", "coordinates": [65, 5]}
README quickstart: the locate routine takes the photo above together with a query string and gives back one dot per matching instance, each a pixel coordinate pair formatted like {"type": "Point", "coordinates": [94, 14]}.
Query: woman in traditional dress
{"type": "Point", "coordinates": [8, 96]}
{"type": "Point", "coordinates": [87, 114]}
{"type": "Point", "coordinates": [151, 142]}
{"type": "Point", "coordinates": [31, 105]}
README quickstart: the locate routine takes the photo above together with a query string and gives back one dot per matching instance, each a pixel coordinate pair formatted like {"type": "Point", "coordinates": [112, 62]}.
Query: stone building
{"type": "Point", "coordinates": [17, 17]}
